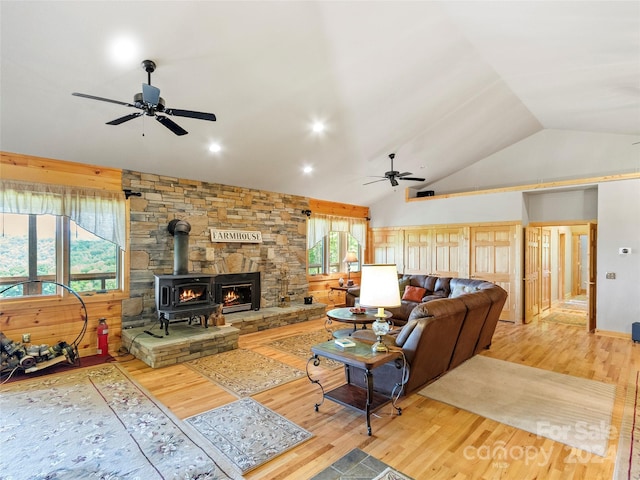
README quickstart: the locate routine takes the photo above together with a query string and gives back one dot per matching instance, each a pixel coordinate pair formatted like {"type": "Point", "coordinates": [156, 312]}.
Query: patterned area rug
{"type": "Point", "coordinates": [300, 346]}
{"type": "Point", "coordinates": [628, 458]}
{"type": "Point", "coordinates": [358, 465]}
{"type": "Point", "coordinates": [567, 409]}
{"type": "Point", "coordinates": [97, 423]}
{"type": "Point", "coordinates": [566, 318]}
{"type": "Point", "coordinates": [244, 372]}
{"type": "Point", "coordinates": [248, 433]}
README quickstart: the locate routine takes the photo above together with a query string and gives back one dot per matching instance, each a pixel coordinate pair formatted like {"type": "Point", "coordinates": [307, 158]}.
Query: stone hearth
{"type": "Point", "coordinates": [188, 342]}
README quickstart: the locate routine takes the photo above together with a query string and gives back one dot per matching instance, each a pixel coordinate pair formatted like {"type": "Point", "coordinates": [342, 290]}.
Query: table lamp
{"type": "Point", "coordinates": [379, 289]}
{"type": "Point", "coordinates": [349, 258]}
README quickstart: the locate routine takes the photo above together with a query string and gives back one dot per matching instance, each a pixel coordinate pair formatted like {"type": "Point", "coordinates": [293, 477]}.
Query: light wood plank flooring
{"type": "Point", "coordinates": [429, 440]}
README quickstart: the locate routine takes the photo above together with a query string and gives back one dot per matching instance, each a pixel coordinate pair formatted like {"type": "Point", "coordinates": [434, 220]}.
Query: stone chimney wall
{"type": "Point", "coordinates": [208, 205]}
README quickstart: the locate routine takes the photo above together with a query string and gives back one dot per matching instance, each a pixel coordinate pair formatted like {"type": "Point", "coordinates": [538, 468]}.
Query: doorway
{"type": "Point", "coordinates": [560, 274]}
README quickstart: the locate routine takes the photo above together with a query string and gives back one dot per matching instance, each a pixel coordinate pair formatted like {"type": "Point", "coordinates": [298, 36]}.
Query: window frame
{"type": "Point", "coordinates": [62, 246]}
{"type": "Point", "coordinates": [343, 247]}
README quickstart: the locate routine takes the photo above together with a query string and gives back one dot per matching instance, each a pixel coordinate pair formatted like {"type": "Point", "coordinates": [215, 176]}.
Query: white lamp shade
{"type": "Point", "coordinates": [350, 257]}
{"type": "Point", "coordinates": [379, 286]}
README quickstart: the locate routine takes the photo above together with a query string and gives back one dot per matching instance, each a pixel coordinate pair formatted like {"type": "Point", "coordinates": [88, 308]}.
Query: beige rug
{"type": "Point", "coordinates": [96, 422]}
{"type": "Point", "coordinates": [244, 372]}
{"type": "Point", "coordinates": [247, 433]}
{"type": "Point", "coordinates": [628, 457]}
{"type": "Point", "coordinates": [566, 318]}
{"type": "Point", "coordinates": [300, 346]}
{"type": "Point", "coordinates": [567, 409]}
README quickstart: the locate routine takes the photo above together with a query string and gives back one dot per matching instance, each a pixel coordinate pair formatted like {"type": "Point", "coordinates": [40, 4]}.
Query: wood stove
{"type": "Point", "coordinates": [184, 297]}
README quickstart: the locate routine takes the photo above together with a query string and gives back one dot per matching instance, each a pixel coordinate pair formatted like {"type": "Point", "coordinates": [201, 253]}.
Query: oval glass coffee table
{"type": "Point", "coordinates": [344, 315]}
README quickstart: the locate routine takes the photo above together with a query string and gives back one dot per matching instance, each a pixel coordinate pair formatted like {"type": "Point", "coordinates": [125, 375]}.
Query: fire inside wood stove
{"type": "Point", "coordinates": [238, 291]}
{"type": "Point", "coordinates": [235, 297]}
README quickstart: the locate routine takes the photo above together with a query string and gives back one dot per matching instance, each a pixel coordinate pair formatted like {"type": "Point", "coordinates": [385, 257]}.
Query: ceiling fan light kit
{"type": "Point", "coordinates": [151, 103]}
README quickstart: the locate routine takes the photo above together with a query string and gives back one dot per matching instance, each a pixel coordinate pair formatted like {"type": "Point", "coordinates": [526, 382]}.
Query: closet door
{"type": "Point", "coordinates": [493, 252]}
{"type": "Point", "coordinates": [387, 247]}
{"type": "Point", "coordinates": [417, 252]}
{"type": "Point", "coordinates": [446, 251]}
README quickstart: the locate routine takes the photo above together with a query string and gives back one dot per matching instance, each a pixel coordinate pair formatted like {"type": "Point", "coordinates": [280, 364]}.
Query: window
{"type": "Point", "coordinates": [54, 248]}
{"type": "Point", "coordinates": [327, 255]}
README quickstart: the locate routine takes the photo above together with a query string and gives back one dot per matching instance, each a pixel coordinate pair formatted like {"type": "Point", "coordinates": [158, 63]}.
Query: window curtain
{"type": "Point", "coordinates": [319, 226]}
{"type": "Point", "coordinates": [100, 212]}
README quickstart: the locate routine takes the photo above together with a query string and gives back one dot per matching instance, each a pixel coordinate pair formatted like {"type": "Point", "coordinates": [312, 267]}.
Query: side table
{"type": "Point", "coordinates": [338, 288]}
{"type": "Point", "coordinates": [362, 399]}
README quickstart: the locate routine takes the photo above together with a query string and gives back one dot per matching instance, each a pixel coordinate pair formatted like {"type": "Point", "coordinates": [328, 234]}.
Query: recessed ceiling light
{"type": "Point", "coordinates": [318, 127]}
{"type": "Point", "coordinates": [307, 169]}
{"type": "Point", "coordinates": [123, 50]}
{"type": "Point", "coordinates": [215, 147]}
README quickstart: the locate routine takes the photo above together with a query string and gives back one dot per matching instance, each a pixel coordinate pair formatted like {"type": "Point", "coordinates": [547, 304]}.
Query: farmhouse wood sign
{"type": "Point", "coordinates": [237, 236]}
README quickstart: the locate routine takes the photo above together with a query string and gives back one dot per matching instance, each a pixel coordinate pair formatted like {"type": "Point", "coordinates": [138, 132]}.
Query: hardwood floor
{"type": "Point", "coordinates": [429, 440]}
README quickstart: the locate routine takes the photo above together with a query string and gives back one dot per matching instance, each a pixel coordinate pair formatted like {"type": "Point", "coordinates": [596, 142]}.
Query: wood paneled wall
{"type": "Point", "coordinates": [50, 320]}
{"type": "Point", "coordinates": [456, 251]}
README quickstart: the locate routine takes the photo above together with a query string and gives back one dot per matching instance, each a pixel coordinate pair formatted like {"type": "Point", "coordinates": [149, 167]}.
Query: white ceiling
{"type": "Point", "coordinates": [442, 84]}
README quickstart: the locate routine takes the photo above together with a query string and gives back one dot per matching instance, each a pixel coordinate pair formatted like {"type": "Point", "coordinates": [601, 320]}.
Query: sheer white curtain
{"type": "Point", "coordinates": [319, 226]}
{"type": "Point", "coordinates": [100, 212]}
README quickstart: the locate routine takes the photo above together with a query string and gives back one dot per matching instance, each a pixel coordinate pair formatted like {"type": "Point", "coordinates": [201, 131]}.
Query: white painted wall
{"type": "Point", "coordinates": [497, 207]}
{"type": "Point", "coordinates": [618, 304]}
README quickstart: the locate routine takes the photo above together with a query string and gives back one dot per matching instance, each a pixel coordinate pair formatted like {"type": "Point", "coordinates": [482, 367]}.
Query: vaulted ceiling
{"type": "Point", "coordinates": [441, 84]}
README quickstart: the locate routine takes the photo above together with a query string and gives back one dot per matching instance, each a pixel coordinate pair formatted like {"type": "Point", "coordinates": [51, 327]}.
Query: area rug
{"type": "Point", "coordinates": [300, 346]}
{"type": "Point", "coordinates": [98, 423]}
{"type": "Point", "coordinates": [628, 457]}
{"type": "Point", "coordinates": [244, 372]}
{"type": "Point", "coordinates": [248, 433]}
{"type": "Point", "coordinates": [361, 466]}
{"type": "Point", "coordinates": [565, 318]}
{"type": "Point", "coordinates": [567, 409]}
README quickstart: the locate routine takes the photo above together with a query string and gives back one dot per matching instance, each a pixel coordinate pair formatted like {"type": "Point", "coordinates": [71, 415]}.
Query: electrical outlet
{"type": "Point", "coordinates": [26, 338]}
{"type": "Point", "coordinates": [610, 276]}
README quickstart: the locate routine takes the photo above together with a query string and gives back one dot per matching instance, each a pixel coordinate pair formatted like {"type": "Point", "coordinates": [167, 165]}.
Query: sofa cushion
{"type": "Point", "coordinates": [413, 294]}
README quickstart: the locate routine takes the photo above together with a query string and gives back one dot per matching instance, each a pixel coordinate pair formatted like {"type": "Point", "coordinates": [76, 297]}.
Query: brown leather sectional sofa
{"type": "Point", "coordinates": [439, 333]}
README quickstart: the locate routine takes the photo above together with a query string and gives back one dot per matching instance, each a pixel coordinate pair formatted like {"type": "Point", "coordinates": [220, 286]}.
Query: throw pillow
{"type": "Point", "coordinates": [402, 284]}
{"type": "Point", "coordinates": [413, 294]}
{"type": "Point", "coordinates": [457, 291]}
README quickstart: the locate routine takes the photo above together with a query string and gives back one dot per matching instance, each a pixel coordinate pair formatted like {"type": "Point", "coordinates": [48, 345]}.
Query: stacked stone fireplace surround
{"type": "Point", "coordinates": [277, 216]}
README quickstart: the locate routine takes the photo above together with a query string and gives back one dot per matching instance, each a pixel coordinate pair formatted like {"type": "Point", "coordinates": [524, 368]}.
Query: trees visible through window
{"type": "Point", "coordinates": [54, 248]}
{"type": "Point", "coordinates": [328, 254]}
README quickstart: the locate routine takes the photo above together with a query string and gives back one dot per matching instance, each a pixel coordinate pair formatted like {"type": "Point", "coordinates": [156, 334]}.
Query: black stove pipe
{"type": "Point", "coordinates": [180, 231]}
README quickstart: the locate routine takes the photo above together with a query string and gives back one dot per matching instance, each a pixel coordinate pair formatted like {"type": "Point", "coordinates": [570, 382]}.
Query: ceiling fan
{"type": "Point", "coordinates": [393, 175]}
{"type": "Point", "coordinates": [151, 103]}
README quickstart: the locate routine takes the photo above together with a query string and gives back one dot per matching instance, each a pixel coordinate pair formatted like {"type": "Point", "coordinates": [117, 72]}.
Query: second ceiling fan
{"type": "Point", "coordinates": [393, 175]}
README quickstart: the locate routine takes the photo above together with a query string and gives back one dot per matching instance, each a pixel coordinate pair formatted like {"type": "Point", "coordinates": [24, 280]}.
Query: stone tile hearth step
{"type": "Point", "coordinates": [255, 321]}
{"type": "Point", "coordinates": [188, 342]}
{"type": "Point", "coordinates": [184, 343]}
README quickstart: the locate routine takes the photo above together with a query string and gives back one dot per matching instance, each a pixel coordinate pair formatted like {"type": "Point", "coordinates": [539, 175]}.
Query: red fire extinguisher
{"type": "Point", "coordinates": [103, 333]}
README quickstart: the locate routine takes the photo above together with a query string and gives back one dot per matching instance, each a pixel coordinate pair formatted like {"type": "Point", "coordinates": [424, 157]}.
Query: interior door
{"type": "Point", "coordinates": [531, 273]}
{"type": "Point", "coordinates": [493, 251]}
{"type": "Point", "coordinates": [446, 252]}
{"type": "Point", "coordinates": [562, 258]}
{"type": "Point", "coordinates": [545, 269]}
{"type": "Point", "coordinates": [591, 292]}
{"type": "Point", "coordinates": [387, 247]}
{"type": "Point", "coordinates": [417, 253]}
